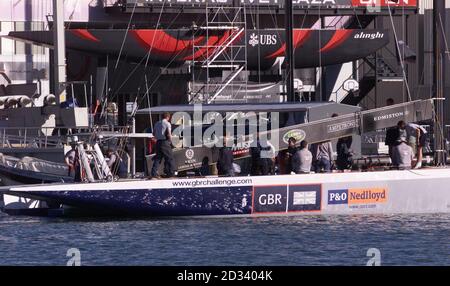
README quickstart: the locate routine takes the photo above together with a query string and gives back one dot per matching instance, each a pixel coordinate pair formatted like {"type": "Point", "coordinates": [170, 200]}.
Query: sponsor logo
{"type": "Point", "coordinates": [282, 199]}
{"type": "Point", "coordinates": [298, 134]}
{"type": "Point", "coordinates": [367, 196]}
{"type": "Point", "coordinates": [389, 116]}
{"type": "Point", "coordinates": [342, 126]}
{"type": "Point", "coordinates": [357, 196]}
{"type": "Point", "coordinates": [371, 36]}
{"type": "Point", "coordinates": [337, 197]}
{"type": "Point", "coordinates": [269, 199]}
{"type": "Point", "coordinates": [263, 40]}
{"type": "Point", "coordinates": [189, 154]}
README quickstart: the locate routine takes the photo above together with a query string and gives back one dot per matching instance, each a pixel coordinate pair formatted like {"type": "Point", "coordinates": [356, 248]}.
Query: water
{"type": "Point", "coordinates": [312, 240]}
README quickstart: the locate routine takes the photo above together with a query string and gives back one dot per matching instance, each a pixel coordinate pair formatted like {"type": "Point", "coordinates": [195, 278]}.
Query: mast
{"type": "Point", "coordinates": [289, 50]}
{"type": "Point", "coordinates": [438, 82]}
{"type": "Point", "coordinates": [59, 51]}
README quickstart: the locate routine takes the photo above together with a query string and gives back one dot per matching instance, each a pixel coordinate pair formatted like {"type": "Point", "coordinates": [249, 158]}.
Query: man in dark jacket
{"type": "Point", "coordinates": [344, 153]}
{"type": "Point", "coordinates": [225, 160]}
{"type": "Point", "coordinates": [290, 152]}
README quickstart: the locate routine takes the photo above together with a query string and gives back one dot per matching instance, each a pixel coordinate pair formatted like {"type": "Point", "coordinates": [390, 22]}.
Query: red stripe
{"type": "Point", "coordinates": [161, 42]}
{"type": "Point", "coordinates": [202, 52]}
{"type": "Point", "coordinates": [85, 35]}
{"type": "Point", "coordinates": [300, 37]}
{"type": "Point", "coordinates": [338, 38]}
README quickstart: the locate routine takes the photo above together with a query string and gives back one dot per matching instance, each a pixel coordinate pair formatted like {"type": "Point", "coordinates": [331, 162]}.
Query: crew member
{"type": "Point", "coordinates": [403, 155]}
{"type": "Point", "coordinates": [225, 160]}
{"type": "Point", "coordinates": [416, 139]}
{"type": "Point", "coordinates": [163, 147]}
{"type": "Point", "coordinates": [323, 155]}
{"type": "Point", "coordinates": [266, 157]}
{"type": "Point", "coordinates": [302, 159]}
{"type": "Point", "coordinates": [344, 159]}
{"type": "Point", "coordinates": [71, 158]}
{"type": "Point", "coordinates": [116, 164]}
{"type": "Point", "coordinates": [392, 133]}
{"type": "Point", "coordinates": [290, 152]}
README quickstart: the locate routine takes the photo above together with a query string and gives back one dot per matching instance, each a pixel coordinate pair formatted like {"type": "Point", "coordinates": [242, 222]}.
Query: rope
{"type": "Point", "coordinates": [125, 36]}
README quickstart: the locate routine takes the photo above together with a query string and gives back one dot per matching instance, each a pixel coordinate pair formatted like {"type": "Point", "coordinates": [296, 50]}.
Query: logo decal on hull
{"type": "Point", "coordinates": [262, 39]}
{"type": "Point", "coordinates": [363, 196]}
{"type": "Point", "coordinates": [284, 199]}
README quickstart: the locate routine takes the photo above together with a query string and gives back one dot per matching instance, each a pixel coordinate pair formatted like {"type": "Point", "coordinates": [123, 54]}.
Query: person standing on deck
{"type": "Point", "coordinates": [163, 147]}
{"type": "Point", "coordinates": [72, 161]}
{"type": "Point", "coordinates": [416, 139]}
{"type": "Point", "coordinates": [344, 158]}
{"type": "Point", "coordinates": [225, 161]}
{"type": "Point", "coordinates": [302, 159]}
{"type": "Point", "coordinates": [392, 133]}
{"type": "Point", "coordinates": [323, 155]}
{"type": "Point", "coordinates": [266, 157]}
{"type": "Point", "coordinates": [290, 152]}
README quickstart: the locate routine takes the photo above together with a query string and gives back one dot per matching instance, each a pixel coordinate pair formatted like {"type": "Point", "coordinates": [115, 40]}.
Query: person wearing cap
{"type": "Point", "coordinates": [163, 148]}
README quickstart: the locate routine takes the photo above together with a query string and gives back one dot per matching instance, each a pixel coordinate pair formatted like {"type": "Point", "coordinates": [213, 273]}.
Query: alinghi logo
{"type": "Point", "coordinates": [371, 36]}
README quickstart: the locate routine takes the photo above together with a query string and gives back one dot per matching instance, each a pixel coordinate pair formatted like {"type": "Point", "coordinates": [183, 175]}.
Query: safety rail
{"type": "Point", "coordinates": [48, 137]}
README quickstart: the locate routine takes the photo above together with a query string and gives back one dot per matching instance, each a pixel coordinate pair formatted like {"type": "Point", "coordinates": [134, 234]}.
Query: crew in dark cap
{"type": "Point", "coordinates": [163, 135]}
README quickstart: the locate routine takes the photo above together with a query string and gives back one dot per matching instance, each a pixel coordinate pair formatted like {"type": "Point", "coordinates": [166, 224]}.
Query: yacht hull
{"type": "Point", "coordinates": [422, 191]}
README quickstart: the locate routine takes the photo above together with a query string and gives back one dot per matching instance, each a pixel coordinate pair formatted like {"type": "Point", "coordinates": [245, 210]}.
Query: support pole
{"type": "Point", "coordinates": [438, 84]}
{"type": "Point", "coordinates": [59, 51]}
{"type": "Point", "coordinates": [289, 51]}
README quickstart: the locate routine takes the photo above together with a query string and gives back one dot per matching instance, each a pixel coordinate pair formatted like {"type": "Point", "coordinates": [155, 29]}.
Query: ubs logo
{"type": "Point", "coordinates": [263, 40]}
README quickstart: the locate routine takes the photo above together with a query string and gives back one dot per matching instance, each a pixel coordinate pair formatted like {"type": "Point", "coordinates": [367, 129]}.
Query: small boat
{"type": "Point", "coordinates": [29, 170]}
{"type": "Point", "coordinates": [386, 192]}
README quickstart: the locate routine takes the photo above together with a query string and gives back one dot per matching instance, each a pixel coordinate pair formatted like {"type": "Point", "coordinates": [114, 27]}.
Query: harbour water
{"type": "Point", "coordinates": [309, 240]}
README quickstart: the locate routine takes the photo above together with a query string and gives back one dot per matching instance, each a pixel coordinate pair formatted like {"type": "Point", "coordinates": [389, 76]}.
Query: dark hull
{"type": "Point", "coordinates": [157, 202]}
{"type": "Point", "coordinates": [265, 48]}
{"type": "Point", "coordinates": [421, 191]}
{"type": "Point", "coordinates": [13, 176]}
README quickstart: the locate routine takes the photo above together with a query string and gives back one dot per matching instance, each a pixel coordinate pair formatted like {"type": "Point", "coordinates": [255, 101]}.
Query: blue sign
{"type": "Point", "coordinates": [304, 198]}
{"type": "Point", "coordinates": [269, 199]}
{"type": "Point", "coordinates": [337, 197]}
